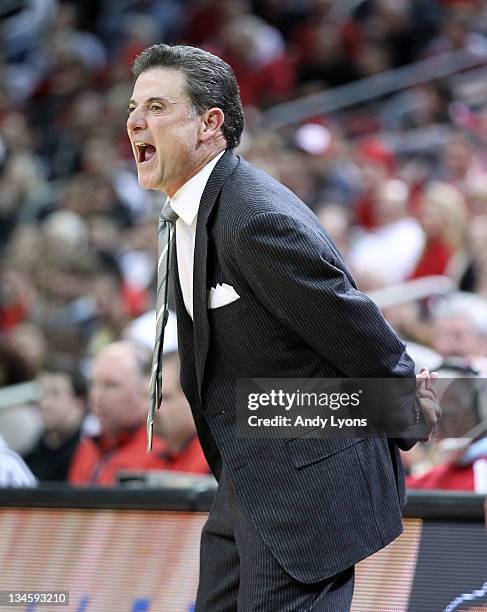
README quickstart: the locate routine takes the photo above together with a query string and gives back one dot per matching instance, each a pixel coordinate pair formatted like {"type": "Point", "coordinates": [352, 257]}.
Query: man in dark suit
{"type": "Point", "coordinates": [262, 292]}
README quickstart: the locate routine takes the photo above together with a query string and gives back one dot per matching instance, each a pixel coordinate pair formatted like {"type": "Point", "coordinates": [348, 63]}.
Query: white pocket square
{"type": "Point", "coordinates": [221, 295]}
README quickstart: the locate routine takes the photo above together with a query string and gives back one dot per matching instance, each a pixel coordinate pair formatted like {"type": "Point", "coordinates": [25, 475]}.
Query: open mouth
{"type": "Point", "coordinates": [145, 152]}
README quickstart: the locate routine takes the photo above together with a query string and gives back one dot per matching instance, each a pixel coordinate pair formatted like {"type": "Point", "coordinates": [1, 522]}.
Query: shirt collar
{"type": "Point", "coordinates": [186, 200]}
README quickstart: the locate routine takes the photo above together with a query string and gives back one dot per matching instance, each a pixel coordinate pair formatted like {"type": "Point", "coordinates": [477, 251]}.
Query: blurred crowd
{"type": "Point", "coordinates": [400, 182]}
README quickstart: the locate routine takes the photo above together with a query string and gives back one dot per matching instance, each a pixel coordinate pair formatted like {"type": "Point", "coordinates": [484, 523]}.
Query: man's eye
{"type": "Point", "coordinates": [130, 109]}
{"type": "Point", "coordinates": [155, 107]}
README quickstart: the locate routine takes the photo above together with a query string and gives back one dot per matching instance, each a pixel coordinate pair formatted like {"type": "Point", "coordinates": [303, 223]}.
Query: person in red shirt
{"type": "Point", "coordinates": [447, 476]}
{"type": "Point", "coordinates": [377, 164]}
{"type": "Point", "coordinates": [118, 397]}
{"type": "Point", "coordinates": [174, 424]}
{"type": "Point", "coordinates": [443, 218]}
{"type": "Point", "coordinates": [456, 474]}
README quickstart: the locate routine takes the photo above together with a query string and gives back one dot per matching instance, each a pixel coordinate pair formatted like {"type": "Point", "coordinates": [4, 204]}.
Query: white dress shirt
{"type": "Point", "coordinates": [186, 202]}
{"type": "Point", "coordinates": [13, 470]}
{"type": "Point", "coordinates": [391, 251]}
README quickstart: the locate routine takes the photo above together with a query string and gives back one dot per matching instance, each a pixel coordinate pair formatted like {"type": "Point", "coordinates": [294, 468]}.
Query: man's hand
{"type": "Point", "coordinates": [429, 399]}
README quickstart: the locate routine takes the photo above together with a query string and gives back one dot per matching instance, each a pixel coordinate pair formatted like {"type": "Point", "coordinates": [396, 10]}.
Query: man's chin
{"type": "Point", "coordinates": [147, 182]}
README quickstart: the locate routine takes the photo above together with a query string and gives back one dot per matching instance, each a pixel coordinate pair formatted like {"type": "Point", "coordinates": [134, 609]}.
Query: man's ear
{"type": "Point", "coordinates": [211, 123]}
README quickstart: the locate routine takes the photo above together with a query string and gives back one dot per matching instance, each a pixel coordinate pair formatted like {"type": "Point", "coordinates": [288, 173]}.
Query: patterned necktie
{"type": "Point", "coordinates": [167, 221]}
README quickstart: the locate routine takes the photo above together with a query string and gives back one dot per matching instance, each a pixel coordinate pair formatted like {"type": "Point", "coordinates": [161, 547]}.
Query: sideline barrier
{"type": "Point", "coordinates": [136, 549]}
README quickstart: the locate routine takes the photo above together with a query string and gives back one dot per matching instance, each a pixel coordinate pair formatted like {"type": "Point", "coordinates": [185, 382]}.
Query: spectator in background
{"type": "Point", "coordinates": [20, 425]}
{"type": "Point", "coordinates": [395, 233]}
{"type": "Point", "coordinates": [461, 164]}
{"type": "Point", "coordinates": [455, 474]}
{"type": "Point", "coordinates": [13, 471]}
{"type": "Point", "coordinates": [323, 63]}
{"type": "Point", "coordinates": [458, 464]}
{"type": "Point", "coordinates": [30, 342]}
{"type": "Point", "coordinates": [256, 51]}
{"type": "Point", "coordinates": [477, 197]}
{"type": "Point", "coordinates": [335, 218]}
{"type": "Point", "coordinates": [325, 157]}
{"type": "Point", "coordinates": [17, 296]}
{"type": "Point", "coordinates": [442, 216]}
{"type": "Point", "coordinates": [474, 277]}
{"type": "Point", "coordinates": [18, 270]}
{"type": "Point", "coordinates": [13, 367]}
{"type": "Point", "coordinates": [174, 424]}
{"type": "Point", "coordinates": [459, 327]}
{"type": "Point", "coordinates": [66, 35]}
{"type": "Point", "coordinates": [111, 307]}
{"type": "Point", "coordinates": [22, 178]}
{"type": "Point", "coordinates": [376, 163]}
{"type": "Point", "coordinates": [458, 31]}
{"type": "Point", "coordinates": [75, 196]}
{"type": "Point", "coordinates": [118, 397]}
{"type": "Point", "coordinates": [63, 408]}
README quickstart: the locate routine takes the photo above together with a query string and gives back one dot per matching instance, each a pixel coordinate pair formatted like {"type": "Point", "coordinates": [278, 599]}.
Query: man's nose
{"type": "Point", "coordinates": [136, 121]}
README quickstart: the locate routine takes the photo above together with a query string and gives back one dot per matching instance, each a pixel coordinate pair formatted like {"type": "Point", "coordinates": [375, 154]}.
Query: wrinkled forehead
{"type": "Point", "coordinates": [166, 83]}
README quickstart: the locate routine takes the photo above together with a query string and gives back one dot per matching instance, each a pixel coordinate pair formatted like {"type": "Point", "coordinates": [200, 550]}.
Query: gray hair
{"type": "Point", "coordinates": [210, 82]}
{"type": "Point", "coordinates": [470, 306]}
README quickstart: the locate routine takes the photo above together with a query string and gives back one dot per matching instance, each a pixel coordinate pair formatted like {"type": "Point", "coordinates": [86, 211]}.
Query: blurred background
{"type": "Point", "coordinates": [374, 112]}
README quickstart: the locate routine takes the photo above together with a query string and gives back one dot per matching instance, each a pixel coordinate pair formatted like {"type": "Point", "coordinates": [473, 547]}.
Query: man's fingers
{"type": "Point", "coordinates": [431, 381]}
{"type": "Point", "coordinates": [431, 410]}
{"type": "Point", "coordinates": [422, 377]}
{"type": "Point", "coordinates": [428, 397]}
{"type": "Point", "coordinates": [424, 384]}
{"type": "Point", "coordinates": [425, 395]}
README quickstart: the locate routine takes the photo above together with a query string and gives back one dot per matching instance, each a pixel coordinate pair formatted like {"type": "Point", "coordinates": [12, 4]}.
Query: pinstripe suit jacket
{"type": "Point", "coordinates": [321, 505]}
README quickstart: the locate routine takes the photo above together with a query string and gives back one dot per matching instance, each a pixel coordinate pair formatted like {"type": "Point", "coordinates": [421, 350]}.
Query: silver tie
{"type": "Point", "coordinates": [165, 240]}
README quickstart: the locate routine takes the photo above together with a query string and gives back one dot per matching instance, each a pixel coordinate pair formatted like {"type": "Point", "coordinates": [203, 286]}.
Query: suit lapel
{"type": "Point", "coordinates": [201, 327]}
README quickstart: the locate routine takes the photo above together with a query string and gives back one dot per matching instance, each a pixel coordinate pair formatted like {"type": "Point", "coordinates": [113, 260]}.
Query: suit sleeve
{"type": "Point", "coordinates": [295, 272]}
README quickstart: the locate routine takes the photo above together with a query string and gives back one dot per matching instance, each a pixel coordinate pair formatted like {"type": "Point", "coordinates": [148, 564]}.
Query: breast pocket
{"type": "Point", "coordinates": [234, 308]}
